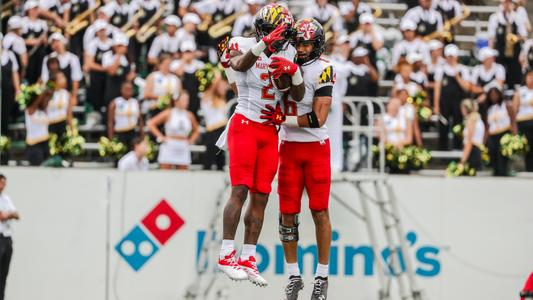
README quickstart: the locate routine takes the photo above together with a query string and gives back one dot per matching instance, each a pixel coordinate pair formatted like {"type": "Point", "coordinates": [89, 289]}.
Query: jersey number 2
{"type": "Point", "coordinates": [267, 92]}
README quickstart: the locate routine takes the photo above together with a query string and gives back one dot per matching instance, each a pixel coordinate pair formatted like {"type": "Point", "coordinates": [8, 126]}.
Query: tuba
{"type": "Point", "coordinates": [223, 27]}
{"type": "Point", "coordinates": [149, 28]}
{"type": "Point", "coordinates": [127, 28]}
{"type": "Point", "coordinates": [81, 21]}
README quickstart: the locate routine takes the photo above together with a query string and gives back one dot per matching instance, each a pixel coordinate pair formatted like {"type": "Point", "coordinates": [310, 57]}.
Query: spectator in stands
{"type": "Point", "coordinates": [167, 42]}
{"type": "Point", "coordinates": [350, 11]}
{"type": "Point", "coordinates": [37, 135]}
{"type": "Point", "coordinates": [361, 74]}
{"type": "Point", "coordinates": [408, 111]}
{"type": "Point", "coordinates": [410, 43]}
{"type": "Point", "coordinates": [35, 34]}
{"type": "Point", "coordinates": [185, 68]}
{"type": "Point", "coordinates": [59, 109]}
{"type": "Point", "coordinates": [501, 120]}
{"type": "Point", "coordinates": [69, 65]}
{"type": "Point", "coordinates": [181, 131]}
{"type": "Point", "coordinates": [243, 25]}
{"type": "Point", "coordinates": [119, 12]}
{"type": "Point", "coordinates": [397, 130]}
{"type": "Point", "coordinates": [12, 41]}
{"type": "Point", "coordinates": [426, 18]}
{"type": "Point", "coordinates": [451, 84]}
{"type": "Point", "coordinates": [124, 116]}
{"type": "Point", "coordinates": [506, 31]}
{"type": "Point", "coordinates": [10, 84]}
{"type": "Point", "coordinates": [94, 53]}
{"type": "Point", "coordinates": [118, 67]}
{"type": "Point", "coordinates": [326, 14]}
{"type": "Point", "coordinates": [135, 160]}
{"type": "Point", "coordinates": [161, 83]}
{"type": "Point", "coordinates": [215, 117]}
{"type": "Point", "coordinates": [523, 105]}
{"type": "Point", "coordinates": [8, 213]}
{"type": "Point", "coordinates": [473, 134]}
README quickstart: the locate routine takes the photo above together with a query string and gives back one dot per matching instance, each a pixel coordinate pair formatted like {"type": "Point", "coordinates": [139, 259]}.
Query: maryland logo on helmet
{"type": "Point", "coordinates": [276, 14]}
{"type": "Point", "coordinates": [327, 76]}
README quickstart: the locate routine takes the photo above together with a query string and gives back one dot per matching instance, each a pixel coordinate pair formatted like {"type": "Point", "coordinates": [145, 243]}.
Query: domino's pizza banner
{"type": "Point", "coordinates": [128, 236]}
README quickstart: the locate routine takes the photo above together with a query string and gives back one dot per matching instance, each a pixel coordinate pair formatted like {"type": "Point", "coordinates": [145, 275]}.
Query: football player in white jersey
{"type": "Point", "coordinates": [253, 146]}
{"type": "Point", "coordinates": [305, 155]}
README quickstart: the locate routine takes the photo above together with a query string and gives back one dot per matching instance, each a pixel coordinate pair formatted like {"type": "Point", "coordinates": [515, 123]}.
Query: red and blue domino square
{"type": "Point", "coordinates": [163, 222]}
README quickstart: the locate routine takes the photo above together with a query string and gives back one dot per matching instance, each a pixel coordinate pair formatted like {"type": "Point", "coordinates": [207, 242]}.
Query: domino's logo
{"type": "Point", "coordinates": [147, 238]}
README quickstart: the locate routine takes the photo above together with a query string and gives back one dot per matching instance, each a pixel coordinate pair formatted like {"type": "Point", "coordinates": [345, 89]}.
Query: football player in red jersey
{"type": "Point", "coordinates": [253, 146]}
{"type": "Point", "coordinates": [305, 154]}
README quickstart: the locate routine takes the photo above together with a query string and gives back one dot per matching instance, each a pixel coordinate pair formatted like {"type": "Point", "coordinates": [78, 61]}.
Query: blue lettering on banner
{"type": "Point", "coordinates": [354, 258]}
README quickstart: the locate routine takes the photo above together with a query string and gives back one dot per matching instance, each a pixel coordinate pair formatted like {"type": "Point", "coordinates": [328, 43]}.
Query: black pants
{"type": "Point", "coordinates": [211, 156]}
{"type": "Point", "coordinates": [58, 128]}
{"type": "Point", "coordinates": [474, 159]}
{"type": "Point", "coordinates": [451, 110]}
{"type": "Point", "coordinates": [498, 162]}
{"type": "Point", "coordinates": [526, 128]}
{"type": "Point", "coordinates": [37, 153]}
{"type": "Point", "coordinates": [6, 250]}
{"type": "Point", "coordinates": [126, 138]}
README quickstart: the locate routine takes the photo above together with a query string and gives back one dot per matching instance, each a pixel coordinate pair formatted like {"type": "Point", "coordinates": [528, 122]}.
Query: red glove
{"type": "Point", "coordinates": [282, 66]}
{"type": "Point", "coordinates": [275, 36]}
{"type": "Point", "coordinates": [272, 116]}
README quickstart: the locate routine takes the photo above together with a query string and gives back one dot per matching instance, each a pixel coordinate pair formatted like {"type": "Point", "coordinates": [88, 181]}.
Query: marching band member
{"type": "Point", "coordinates": [451, 84]}
{"type": "Point", "coordinates": [69, 64]}
{"type": "Point", "coordinates": [35, 34]}
{"type": "Point", "coordinates": [54, 10]}
{"type": "Point", "coordinates": [326, 14]}
{"type": "Point", "coordinates": [167, 42]}
{"type": "Point", "coordinates": [244, 24]}
{"type": "Point", "coordinates": [12, 41]}
{"type": "Point", "coordinates": [181, 131]}
{"type": "Point", "coordinates": [506, 31]}
{"type": "Point", "coordinates": [188, 31]}
{"type": "Point", "coordinates": [523, 106]}
{"type": "Point", "coordinates": [409, 44]}
{"type": "Point", "coordinates": [94, 53]}
{"type": "Point", "coordinates": [119, 69]}
{"type": "Point", "coordinates": [103, 16]}
{"type": "Point", "coordinates": [59, 109]}
{"type": "Point", "coordinates": [433, 62]}
{"type": "Point", "coordinates": [361, 74]}
{"type": "Point", "coordinates": [449, 9]}
{"type": "Point", "coordinates": [120, 12]}
{"type": "Point", "coordinates": [10, 84]}
{"type": "Point", "coordinates": [185, 68]}
{"type": "Point", "coordinates": [350, 11]}
{"type": "Point", "coordinates": [526, 55]}
{"type": "Point", "coordinates": [488, 72]}
{"type": "Point", "coordinates": [426, 18]}
{"type": "Point", "coordinates": [124, 116]}
{"type": "Point", "coordinates": [73, 9]}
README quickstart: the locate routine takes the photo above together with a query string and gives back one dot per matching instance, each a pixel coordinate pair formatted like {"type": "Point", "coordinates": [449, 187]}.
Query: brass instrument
{"type": "Point", "coordinates": [449, 24]}
{"type": "Point", "coordinates": [327, 27]}
{"type": "Point", "coordinates": [149, 28]}
{"type": "Point", "coordinates": [205, 23]}
{"type": "Point", "coordinates": [223, 27]}
{"type": "Point", "coordinates": [127, 28]}
{"type": "Point", "coordinates": [377, 12]}
{"type": "Point", "coordinates": [511, 39]}
{"type": "Point", "coordinates": [6, 9]}
{"type": "Point", "coordinates": [81, 21]}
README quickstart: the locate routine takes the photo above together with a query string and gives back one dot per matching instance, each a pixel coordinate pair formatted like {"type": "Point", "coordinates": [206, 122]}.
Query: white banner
{"type": "Point", "coordinates": [470, 238]}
